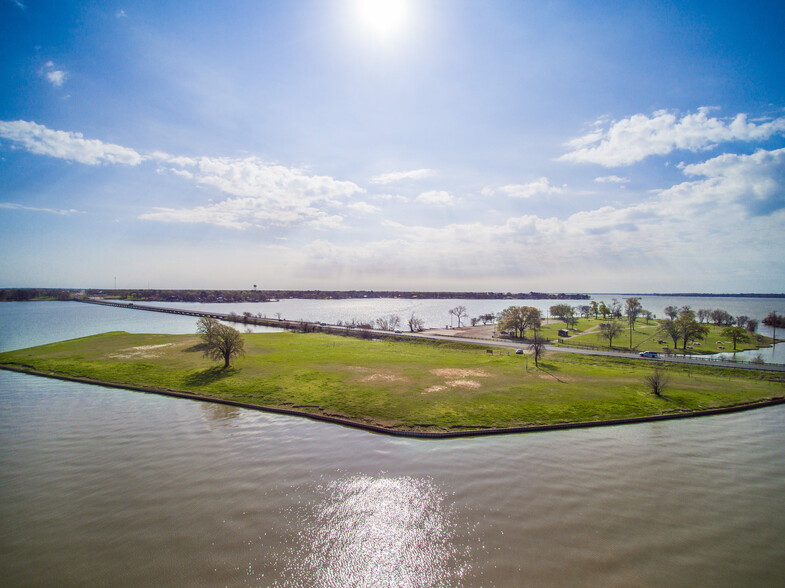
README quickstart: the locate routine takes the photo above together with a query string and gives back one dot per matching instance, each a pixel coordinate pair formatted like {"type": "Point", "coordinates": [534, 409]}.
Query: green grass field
{"type": "Point", "coordinates": [422, 385]}
{"type": "Point", "coordinates": [645, 337]}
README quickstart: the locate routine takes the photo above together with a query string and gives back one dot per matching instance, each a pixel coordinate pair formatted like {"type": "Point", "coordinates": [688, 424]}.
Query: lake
{"type": "Point", "coordinates": [109, 487]}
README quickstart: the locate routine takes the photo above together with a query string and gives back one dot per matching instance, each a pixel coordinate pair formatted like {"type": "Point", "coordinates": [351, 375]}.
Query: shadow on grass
{"type": "Point", "coordinates": [209, 376]}
{"type": "Point", "coordinates": [198, 347]}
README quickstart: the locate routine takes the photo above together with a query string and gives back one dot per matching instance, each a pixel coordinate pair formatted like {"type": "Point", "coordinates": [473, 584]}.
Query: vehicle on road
{"type": "Point", "coordinates": [649, 354]}
{"type": "Point", "coordinates": [519, 352]}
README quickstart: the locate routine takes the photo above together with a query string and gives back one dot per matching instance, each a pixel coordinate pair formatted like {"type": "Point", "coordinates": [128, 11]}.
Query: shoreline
{"type": "Point", "coordinates": [404, 433]}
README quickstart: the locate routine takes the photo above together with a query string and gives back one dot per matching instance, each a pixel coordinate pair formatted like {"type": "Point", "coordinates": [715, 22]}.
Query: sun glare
{"type": "Point", "coordinates": [382, 18]}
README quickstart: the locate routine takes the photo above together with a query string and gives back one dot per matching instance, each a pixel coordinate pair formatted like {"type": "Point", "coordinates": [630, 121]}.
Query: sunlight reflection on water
{"type": "Point", "coordinates": [369, 531]}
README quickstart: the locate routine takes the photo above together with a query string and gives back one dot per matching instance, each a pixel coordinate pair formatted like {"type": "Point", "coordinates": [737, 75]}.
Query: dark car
{"type": "Point", "coordinates": [648, 354]}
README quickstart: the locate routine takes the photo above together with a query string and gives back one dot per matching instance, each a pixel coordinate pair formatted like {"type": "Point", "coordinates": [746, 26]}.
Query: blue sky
{"type": "Point", "coordinates": [394, 144]}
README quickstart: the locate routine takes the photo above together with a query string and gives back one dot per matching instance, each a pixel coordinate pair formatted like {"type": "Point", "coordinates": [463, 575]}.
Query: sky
{"type": "Point", "coordinates": [467, 145]}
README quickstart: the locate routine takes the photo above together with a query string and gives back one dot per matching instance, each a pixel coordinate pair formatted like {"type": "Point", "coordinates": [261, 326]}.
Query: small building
{"type": "Point", "coordinates": [564, 333]}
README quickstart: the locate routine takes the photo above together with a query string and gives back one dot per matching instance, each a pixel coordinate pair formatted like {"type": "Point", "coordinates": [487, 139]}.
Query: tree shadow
{"type": "Point", "coordinates": [194, 348]}
{"type": "Point", "coordinates": [209, 376]}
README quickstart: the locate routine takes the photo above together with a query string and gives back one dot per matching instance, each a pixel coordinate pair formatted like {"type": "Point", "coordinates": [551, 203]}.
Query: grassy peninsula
{"type": "Point", "coordinates": [400, 385]}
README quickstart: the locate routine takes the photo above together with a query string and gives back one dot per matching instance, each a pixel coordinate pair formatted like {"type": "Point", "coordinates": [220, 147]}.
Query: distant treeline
{"type": "Point", "coordinates": [704, 295]}
{"type": "Point", "coordinates": [22, 294]}
{"type": "Point", "coordinates": [266, 295]}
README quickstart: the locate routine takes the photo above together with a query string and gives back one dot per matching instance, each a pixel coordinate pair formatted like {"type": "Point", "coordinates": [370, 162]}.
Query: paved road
{"type": "Point", "coordinates": [488, 342]}
{"type": "Point", "coordinates": [558, 349]}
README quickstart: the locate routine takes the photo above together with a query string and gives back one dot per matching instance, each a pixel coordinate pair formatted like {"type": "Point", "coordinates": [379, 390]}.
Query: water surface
{"type": "Point", "coordinates": [109, 487]}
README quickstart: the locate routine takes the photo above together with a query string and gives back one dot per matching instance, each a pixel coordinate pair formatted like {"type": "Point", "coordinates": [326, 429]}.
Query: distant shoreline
{"type": "Point", "coordinates": [254, 295]}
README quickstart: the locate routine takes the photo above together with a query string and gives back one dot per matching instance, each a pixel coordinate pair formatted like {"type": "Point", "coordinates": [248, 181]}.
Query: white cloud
{"type": "Point", "coordinates": [747, 185]}
{"type": "Point", "coordinates": [611, 180]}
{"type": "Point", "coordinates": [540, 186]}
{"type": "Point", "coordinates": [14, 206]}
{"type": "Point", "coordinates": [633, 139]}
{"type": "Point", "coordinates": [364, 207]}
{"type": "Point", "coordinates": [436, 197]}
{"type": "Point", "coordinates": [56, 77]}
{"type": "Point", "coordinates": [414, 174]}
{"type": "Point", "coordinates": [38, 139]}
{"type": "Point", "coordinates": [268, 194]}
{"type": "Point", "coordinates": [736, 207]}
{"type": "Point", "coordinates": [120, 14]}
{"type": "Point", "coordinates": [388, 197]}
{"type": "Point", "coordinates": [53, 74]}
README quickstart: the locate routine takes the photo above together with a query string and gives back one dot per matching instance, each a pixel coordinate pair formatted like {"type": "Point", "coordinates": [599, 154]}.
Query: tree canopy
{"type": "Point", "coordinates": [220, 341]}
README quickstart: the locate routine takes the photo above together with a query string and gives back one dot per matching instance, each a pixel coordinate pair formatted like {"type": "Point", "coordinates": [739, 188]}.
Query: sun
{"type": "Point", "coordinates": [382, 18]}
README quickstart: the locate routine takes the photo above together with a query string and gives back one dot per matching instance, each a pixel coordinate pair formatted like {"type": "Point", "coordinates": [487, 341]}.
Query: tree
{"type": "Point", "coordinates": [672, 312]}
{"type": "Point", "coordinates": [773, 320]}
{"type": "Point", "coordinates": [721, 317]}
{"type": "Point", "coordinates": [752, 325]}
{"type": "Point", "coordinates": [584, 310]}
{"type": "Point", "coordinates": [221, 341]}
{"type": "Point", "coordinates": [689, 328]}
{"type": "Point", "coordinates": [736, 334]}
{"type": "Point", "coordinates": [564, 312]}
{"type": "Point", "coordinates": [416, 323]}
{"type": "Point", "coordinates": [389, 323]}
{"type": "Point", "coordinates": [657, 381]}
{"type": "Point", "coordinates": [610, 330]}
{"type": "Point", "coordinates": [488, 317]}
{"type": "Point", "coordinates": [458, 312]}
{"type": "Point", "coordinates": [603, 309]}
{"type": "Point", "coordinates": [519, 318]}
{"type": "Point", "coordinates": [704, 314]}
{"type": "Point", "coordinates": [595, 308]}
{"type": "Point", "coordinates": [741, 320]}
{"type": "Point", "coordinates": [616, 308]}
{"type": "Point", "coordinates": [537, 348]}
{"type": "Point", "coordinates": [510, 319]}
{"type": "Point", "coordinates": [632, 307]}
{"type": "Point", "coordinates": [671, 329]}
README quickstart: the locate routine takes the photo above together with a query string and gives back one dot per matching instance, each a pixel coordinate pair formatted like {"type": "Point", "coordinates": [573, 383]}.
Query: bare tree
{"type": "Point", "coordinates": [415, 323]}
{"type": "Point", "coordinates": [460, 313]}
{"type": "Point", "coordinates": [657, 381]}
{"type": "Point", "coordinates": [610, 331]}
{"type": "Point", "coordinates": [537, 348]}
{"type": "Point", "coordinates": [221, 341]}
{"type": "Point", "coordinates": [752, 325]}
{"type": "Point", "coordinates": [388, 323]}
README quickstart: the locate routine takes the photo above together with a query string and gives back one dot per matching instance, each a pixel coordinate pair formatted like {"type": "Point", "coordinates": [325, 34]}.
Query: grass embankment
{"type": "Point", "coordinates": [416, 386]}
{"type": "Point", "coordinates": [647, 337]}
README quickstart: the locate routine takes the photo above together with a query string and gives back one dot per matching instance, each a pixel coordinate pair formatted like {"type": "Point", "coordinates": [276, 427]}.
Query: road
{"type": "Point", "coordinates": [558, 349]}
{"type": "Point", "coordinates": [488, 342]}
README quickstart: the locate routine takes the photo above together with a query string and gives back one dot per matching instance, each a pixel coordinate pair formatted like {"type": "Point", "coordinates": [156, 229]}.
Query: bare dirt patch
{"type": "Point", "coordinates": [471, 384]}
{"type": "Point", "coordinates": [140, 352]}
{"type": "Point", "coordinates": [383, 378]}
{"type": "Point", "coordinates": [369, 375]}
{"type": "Point", "coordinates": [460, 373]}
